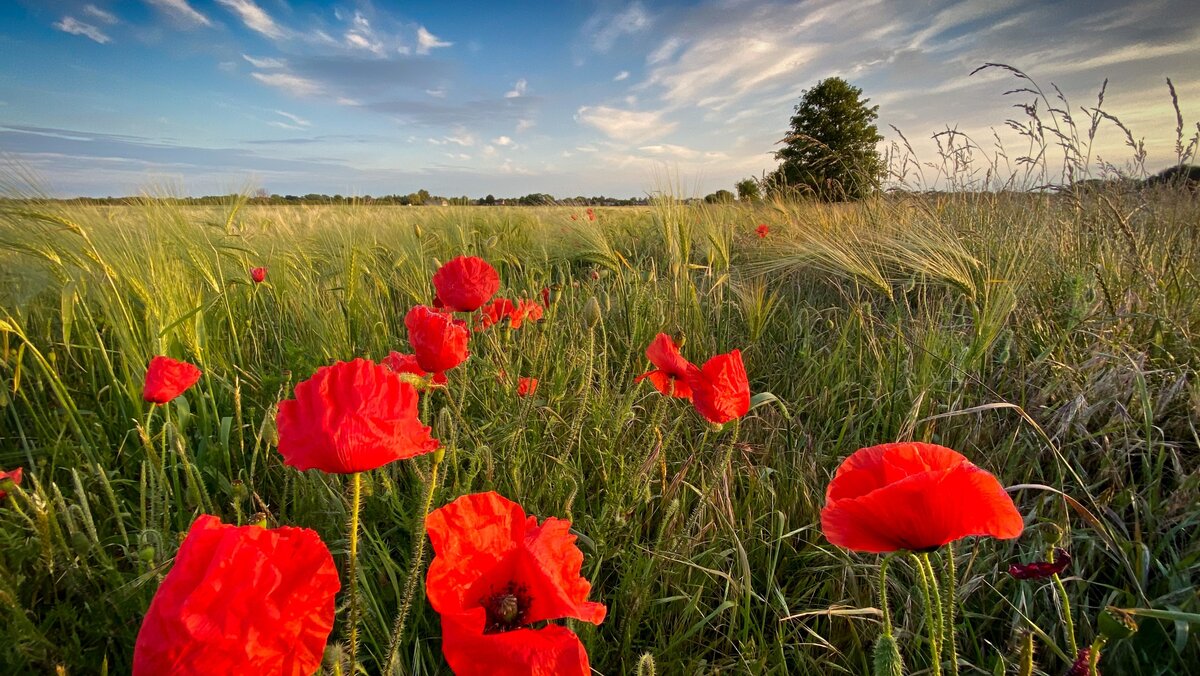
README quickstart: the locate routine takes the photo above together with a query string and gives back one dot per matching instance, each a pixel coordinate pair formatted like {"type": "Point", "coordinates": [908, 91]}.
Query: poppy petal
{"type": "Point", "coordinates": [474, 542]}
{"type": "Point", "coordinates": [553, 650]}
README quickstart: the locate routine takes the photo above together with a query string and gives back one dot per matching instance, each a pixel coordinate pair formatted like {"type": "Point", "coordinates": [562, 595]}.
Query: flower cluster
{"type": "Point", "coordinates": [719, 390]}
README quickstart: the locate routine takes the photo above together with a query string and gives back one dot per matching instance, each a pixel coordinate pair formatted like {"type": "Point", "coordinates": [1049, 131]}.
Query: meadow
{"type": "Point", "coordinates": [1050, 338]}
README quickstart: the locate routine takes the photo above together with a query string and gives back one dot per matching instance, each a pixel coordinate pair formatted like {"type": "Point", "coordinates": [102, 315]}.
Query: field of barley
{"type": "Point", "coordinates": [1052, 339]}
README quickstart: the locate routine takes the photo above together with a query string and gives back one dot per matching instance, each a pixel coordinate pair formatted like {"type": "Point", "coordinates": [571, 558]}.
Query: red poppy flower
{"type": "Point", "coordinates": [465, 283]}
{"type": "Point", "coordinates": [240, 600]}
{"type": "Point", "coordinates": [526, 386]}
{"type": "Point", "coordinates": [914, 496]}
{"type": "Point", "coordinates": [526, 310]}
{"type": "Point", "coordinates": [720, 389]}
{"type": "Point", "coordinates": [493, 313]}
{"type": "Point", "coordinates": [351, 417]}
{"type": "Point", "coordinates": [763, 230]}
{"type": "Point", "coordinates": [496, 572]}
{"type": "Point", "coordinates": [11, 475]}
{"type": "Point", "coordinates": [167, 378]}
{"type": "Point", "coordinates": [591, 214]}
{"type": "Point", "coordinates": [407, 363]}
{"type": "Point", "coordinates": [546, 296]}
{"type": "Point", "coordinates": [258, 274]}
{"type": "Point", "coordinates": [574, 217]}
{"type": "Point", "coordinates": [439, 340]}
{"type": "Point", "coordinates": [1041, 569]}
{"type": "Point", "coordinates": [670, 376]}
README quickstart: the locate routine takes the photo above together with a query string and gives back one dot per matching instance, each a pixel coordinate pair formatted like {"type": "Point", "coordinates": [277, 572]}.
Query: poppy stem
{"type": "Point", "coordinates": [951, 585]}
{"type": "Point", "coordinates": [935, 590]}
{"type": "Point", "coordinates": [355, 504]}
{"type": "Point", "coordinates": [883, 591]}
{"type": "Point", "coordinates": [1066, 610]}
{"type": "Point", "coordinates": [414, 570]}
{"type": "Point", "coordinates": [934, 651]}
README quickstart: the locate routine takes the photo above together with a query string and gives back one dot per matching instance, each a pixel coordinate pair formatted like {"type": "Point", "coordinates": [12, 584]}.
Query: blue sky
{"type": "Point", "coordinates": [102, 97]}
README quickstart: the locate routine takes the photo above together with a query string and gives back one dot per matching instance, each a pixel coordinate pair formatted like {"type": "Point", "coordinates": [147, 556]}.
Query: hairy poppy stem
{"type": "Point", "coordinates": [414, 569]}
{"type": "Point", "coordinates": [883, 600]}
{"type": "Point", "coordinates": [951, 585]}
{"type": "Point", "coordinates": [934, 650]}
{"type": "Point", "coordinates": [356, 503]}
{"type": "Point", "coordinates": [1066, 611]}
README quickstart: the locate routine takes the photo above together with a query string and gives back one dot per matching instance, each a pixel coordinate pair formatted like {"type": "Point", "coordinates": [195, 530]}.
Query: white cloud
{"type": "Point", "coordinates": [625, 125]}
{"type": "Point", "coordinates": [292, 84]}
{"type": "Point", "coordinates": [265, 62]}
{"type": "Point", "coordinates": [680, 152]}
{"type": "Point", "coordinates": [99, 14]}
{"type": "Point", "coordinates": [522, 125]}
{"type": "Point", "coordinates": [358, 40]}
{"type": "Point", "coordinates": [623, 75]}
{"type": "Point", "coordinates": [605, 29]}
{"type": "Point", "coordinates": [182, 11]}
{"type": "Point", "coordinates": [70, 24]}
{"type": "Point", "coordinates": [503, 141]}
{"type": "Point", "coordinates": [296, 119]}
{"type": "Point", "coordinates": [254, 17]}
{"type": "Point", "coordinates": [438, 93]}
{"type": "Point", "coordinates": [665, 51]}
{"type": "Point", "coordinates": [461, 138]}
{"type": "Point", "coordinates": [517, 90]}
{"type": "Point", "coordinates": [427, 41]}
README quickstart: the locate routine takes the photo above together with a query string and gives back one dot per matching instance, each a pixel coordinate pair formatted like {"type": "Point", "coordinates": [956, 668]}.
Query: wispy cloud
{"type": "Point", "coordinates": [625, 125]}
{"type": "Point", "coordinates": [255, 18]}
{"type": "Point", "coordinates": [605, 28]}
{"type": "Point", "coordinates": [99, 14]}
{"type": "Point", "coordinates": [296, 119]}
{"type": "Point", "coordinates": [70, 24]}
{"type": "Point", "coordinates": [517, 90]}
{"type": "Point", "coordinates": [265, 62]}
{"type": "Point", "coordinates": [623, 75]}
{"type": "Point", "coordinates": [289, 83]}
{"type": "Point", "coordinates": [427, 41]}
{"type": "Point", "coordinates": [181, 11]}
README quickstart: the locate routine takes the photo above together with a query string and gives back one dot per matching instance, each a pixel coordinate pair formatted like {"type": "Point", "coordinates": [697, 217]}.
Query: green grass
{"type": "Point", "coordinates": [1052, 339]}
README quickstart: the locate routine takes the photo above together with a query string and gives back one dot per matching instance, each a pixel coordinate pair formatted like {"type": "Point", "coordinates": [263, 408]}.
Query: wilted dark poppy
{"type": "Point", "coordinates": [407, 363]}
{"type": "Point", "coordinates": [1082, 664]}
{"type": "Point", "coordinates": [240, 600]}
{"type": "Point", "coordinates": [351, 417]}
{"type": "Point", "coordinates": [167, 378]}
{"type": "Point", "coordinates": [526, 386]}
{"type": "Point", "coordinates": [258, 274]}
{"type": "Point", "coordinates": [670, 374]}
{"type": "Point", "coordinates": [546, 296]}
{"type": "Point", "coordinates": [720, 388]}
{"type": "Point", "coordinates": [438, 339]}
{"type": "Point", "coordinates": [495, 574]}
{"type": "Point", "coordinates": [1041, 569]}
{"type": "Point", "coordinates": [465, 283]}
{"type": "Point", "coordinates": [914, 496]}
{"type": "Point", "coordinates": [11, 475]}
{"type": "Point", "coordinates": [763, 230]}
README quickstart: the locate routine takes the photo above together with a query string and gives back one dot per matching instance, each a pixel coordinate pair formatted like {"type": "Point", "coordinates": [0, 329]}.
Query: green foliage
{"type": "Point", "coordinates": [830, 149]}
{"type": "Point", "coordinates": [719, 197]}
{"type": "Point", "coordinates": [747, 190]}
{"type": "Point", "coordinates": [1053, 339]}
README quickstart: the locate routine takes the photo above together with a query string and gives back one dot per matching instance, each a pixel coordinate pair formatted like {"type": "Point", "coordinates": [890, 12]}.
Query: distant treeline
{"type": "Point", "coordinates": [420, 198]}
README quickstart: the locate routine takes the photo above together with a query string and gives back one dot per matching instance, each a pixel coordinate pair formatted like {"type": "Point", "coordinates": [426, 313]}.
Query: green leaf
{"type": "Point", "coordinates": [763, 398]}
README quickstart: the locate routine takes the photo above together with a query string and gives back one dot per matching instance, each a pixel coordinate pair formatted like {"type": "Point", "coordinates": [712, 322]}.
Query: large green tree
{"type": "Point", "coordinates": [830, 150]}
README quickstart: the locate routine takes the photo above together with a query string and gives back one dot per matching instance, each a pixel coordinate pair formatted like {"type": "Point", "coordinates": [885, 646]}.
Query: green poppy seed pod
{"type": "Point", "coordinates": [146, 554]}
{"type": "Point", "coordinates": [591, 312]}
{"type": "Point", "coordinates": [80, 543]}
{"type": "Point", "coordinates": [1116, 624]}
{"type": "Point", "coordinates": [259, 519]}
{"type": "Point", "coordinates": [887, 658]}
{"type": "Point", "coordinates": [240, 492]}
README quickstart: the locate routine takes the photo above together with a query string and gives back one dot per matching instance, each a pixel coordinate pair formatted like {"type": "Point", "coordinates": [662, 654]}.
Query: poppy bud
{"type": "Point", "coordinates": [80, 543]}
{"type": "Point", "coordinates": [591, 312]}
{"type": "Point", "coordinates": [646, 666]}
{"type": "Point", "coordinates": [417, 231]}
{"type": "Point", "coordinates": [1116, 624]}
{"type": "Point", "coordinates": [886, 657]}
{"type": "Point", "coordinates": [146, 554]}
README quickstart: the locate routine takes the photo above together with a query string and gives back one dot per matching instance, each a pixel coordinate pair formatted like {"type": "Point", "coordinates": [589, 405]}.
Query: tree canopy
{"type": "Point", "coordinates": [830, 148]}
